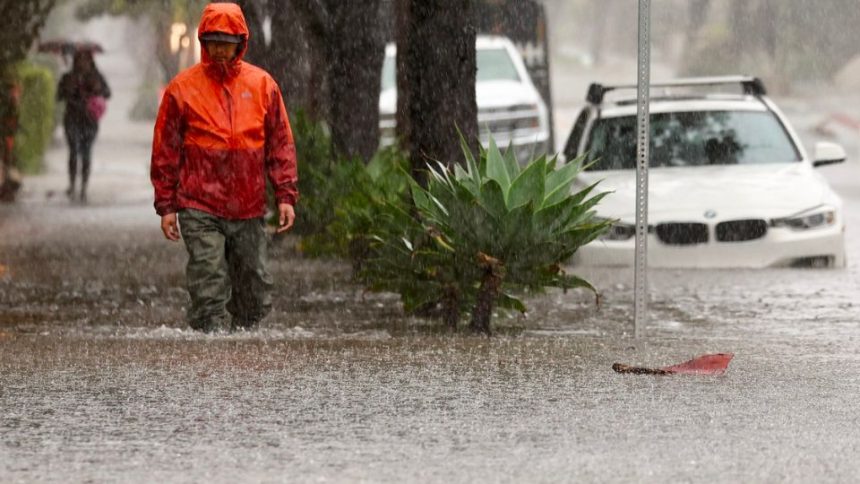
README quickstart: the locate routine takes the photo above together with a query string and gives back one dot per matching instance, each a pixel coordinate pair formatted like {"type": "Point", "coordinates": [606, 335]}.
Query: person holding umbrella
{"type": "Point", "coordinates": [84, 90]}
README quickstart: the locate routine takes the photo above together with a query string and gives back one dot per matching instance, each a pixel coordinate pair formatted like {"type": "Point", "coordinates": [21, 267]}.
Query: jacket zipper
{"type": "Point", "coordinates": [230, 116]}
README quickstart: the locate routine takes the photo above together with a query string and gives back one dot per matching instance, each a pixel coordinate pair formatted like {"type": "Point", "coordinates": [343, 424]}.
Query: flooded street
{"type": "Point", "coordinates": [101, 381]}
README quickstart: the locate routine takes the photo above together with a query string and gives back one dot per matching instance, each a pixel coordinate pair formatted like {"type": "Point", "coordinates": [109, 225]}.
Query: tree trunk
{"type": "Point", "coordinates": [257, 52]}
{"type": "Point", "coordinates": [314, 18]}
{"type": "Point", "coordinates": [327, 56]}
{"type": "Point", "coordinates": [288, 55]}
{"type": "Point", "coordinates": [436, 69]}
{"type": "Point", "coordinates": [451, 308]}
{"type": "Point", "coordinates": [488, 293]}
{"type": "Point", "coordinates": [355, 52]}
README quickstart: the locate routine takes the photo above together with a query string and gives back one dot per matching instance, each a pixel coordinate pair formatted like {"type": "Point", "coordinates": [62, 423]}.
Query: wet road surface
{"type": "Point", "coordinates": [101, 382]}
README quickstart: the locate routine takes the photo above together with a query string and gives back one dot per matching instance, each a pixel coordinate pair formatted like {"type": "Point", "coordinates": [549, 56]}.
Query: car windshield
{"type": "Point", "coordinates": [695, 138]}
{"type": "Point", "coordinates": [493, 65]}
{"type": "Point", "coordinates": [496, 65]}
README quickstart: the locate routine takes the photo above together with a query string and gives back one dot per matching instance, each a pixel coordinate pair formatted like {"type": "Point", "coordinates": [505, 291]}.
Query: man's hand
{"type": "Point", "coordinates": [170, 227]}
{"type": "Point", "coordinates": [287, 217]}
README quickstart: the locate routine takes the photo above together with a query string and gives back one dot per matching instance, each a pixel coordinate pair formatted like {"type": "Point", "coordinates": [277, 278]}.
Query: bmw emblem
{"type": "Point", "coordinates": [710, 214]}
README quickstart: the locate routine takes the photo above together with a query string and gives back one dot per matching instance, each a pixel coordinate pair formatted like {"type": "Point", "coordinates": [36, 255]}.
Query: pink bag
{"type": "Point", "coordinates": [96, 107]}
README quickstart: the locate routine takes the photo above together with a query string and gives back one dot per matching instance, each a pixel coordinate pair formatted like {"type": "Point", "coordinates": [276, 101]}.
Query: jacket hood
{"type": "Point", "coordinates": [226, 18]}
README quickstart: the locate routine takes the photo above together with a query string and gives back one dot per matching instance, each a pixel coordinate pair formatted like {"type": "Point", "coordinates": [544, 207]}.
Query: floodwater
{"type": "Point", "coordinates": [101, 382]}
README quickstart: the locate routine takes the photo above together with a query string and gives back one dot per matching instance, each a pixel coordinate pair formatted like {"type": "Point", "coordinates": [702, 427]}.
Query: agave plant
{"type": "Point", "coordinates": [484, 231]}
{"type": "Point", "coordinates": [405, 258]}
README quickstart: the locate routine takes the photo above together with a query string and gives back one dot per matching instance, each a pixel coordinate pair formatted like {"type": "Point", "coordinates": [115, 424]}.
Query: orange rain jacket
{"type": "Point", "coordinates": [220, 130]}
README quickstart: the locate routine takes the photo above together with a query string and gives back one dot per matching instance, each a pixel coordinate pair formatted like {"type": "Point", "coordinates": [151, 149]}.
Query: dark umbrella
{"type": "Point", "coordinates": [69, 48]}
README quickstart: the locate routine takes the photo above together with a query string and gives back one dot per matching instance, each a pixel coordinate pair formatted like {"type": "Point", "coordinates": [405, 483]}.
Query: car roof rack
{"type": "Point", "coordinates": [751, 85]}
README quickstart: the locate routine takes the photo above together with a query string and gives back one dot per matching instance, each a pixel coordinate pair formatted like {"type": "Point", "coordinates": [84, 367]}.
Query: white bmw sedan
{"type": "Point", "coordinates": [730, 184]}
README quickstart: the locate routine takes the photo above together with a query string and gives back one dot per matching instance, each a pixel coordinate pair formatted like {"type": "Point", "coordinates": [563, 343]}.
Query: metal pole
{"type": "Point", "coordinates": [640, 283]}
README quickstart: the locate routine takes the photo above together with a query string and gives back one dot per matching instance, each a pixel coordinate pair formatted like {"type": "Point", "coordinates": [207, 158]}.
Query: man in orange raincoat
{"type": "Point", "coordinates": [222, 129]}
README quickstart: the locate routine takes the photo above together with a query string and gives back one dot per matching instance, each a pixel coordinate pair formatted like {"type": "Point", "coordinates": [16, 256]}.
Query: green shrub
{"type": "Point", "coordinates": [316, 166]}
{"type": "Point", "coordinates": [340, 196]}
{"type": "Point", "coordinates": [364, 191]}
{"type": "Point", "coordinates": [481, 233]}
{"type": "Point", "coordinates": [36, 115]}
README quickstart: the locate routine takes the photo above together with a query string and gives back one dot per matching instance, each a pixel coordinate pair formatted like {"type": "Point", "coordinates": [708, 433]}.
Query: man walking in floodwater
{"type": "Point", "coordinates": [222, 128]}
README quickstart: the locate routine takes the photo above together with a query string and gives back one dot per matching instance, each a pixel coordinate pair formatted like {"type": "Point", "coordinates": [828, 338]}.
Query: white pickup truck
{"type": "Point", "coordinates": [509, 106]}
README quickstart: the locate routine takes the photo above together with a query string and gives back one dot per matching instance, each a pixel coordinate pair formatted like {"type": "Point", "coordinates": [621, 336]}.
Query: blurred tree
{"type": "Point", "coordinates": [784, 41]}
{"type": "Point", "coordinates": [697, 15]}
{"type": "Point", "coordinates": [601, 17]}
{"type": "Point", "coordinates": [23, 22]}
{"type": "Point", "coordinates": [161, 14]}
{"type": "Point", "coordinates": [347, 47]}
{"type": "Point", "coordinates": [285, 51]}
{"type": "Point", "coordinates": [436, 70]}
{"type": "Point", "coordinates": [24, 19]}
{"type": "Point", "coordinates": [354, 53]}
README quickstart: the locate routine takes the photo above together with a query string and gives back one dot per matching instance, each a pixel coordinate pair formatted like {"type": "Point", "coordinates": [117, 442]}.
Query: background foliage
{"type": "Point", "coordinates": [36, 115]}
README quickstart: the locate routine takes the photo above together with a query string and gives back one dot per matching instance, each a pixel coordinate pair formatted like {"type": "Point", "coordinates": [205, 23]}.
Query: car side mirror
{"type": "Point", "coordinates": [827, 153]}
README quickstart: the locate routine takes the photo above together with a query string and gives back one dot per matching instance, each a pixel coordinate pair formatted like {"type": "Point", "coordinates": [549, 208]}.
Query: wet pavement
{"type": "Point", "coordinates": [100, 381]}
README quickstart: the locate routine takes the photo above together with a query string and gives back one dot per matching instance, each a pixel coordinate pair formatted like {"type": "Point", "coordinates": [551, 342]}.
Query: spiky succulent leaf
{"type": "Point", "coordinates": [492, 199]}
{"type": "Point", "coordinates": [507, 301]}
{"type": "Point", "coordinates": [558, 182]}
{"type": "Point", "coordinates": [529, 185]}
{"type": "Point", "coordinates": [472, 167]}
{"type": "Point", "coordinates": [510, 157]}
{"type": "Point", "coordinates": [498, 169]}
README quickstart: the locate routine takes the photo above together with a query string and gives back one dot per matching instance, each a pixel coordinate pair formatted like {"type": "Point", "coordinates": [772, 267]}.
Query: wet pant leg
{"type": "Point", "coordinates": [207, 275]}
{"type": "Point", "coordinates": [246, 249]}
{"type": "Point", "coordinates": [88, 136]}
{"type": "Point", "coordinates": [73, 140]}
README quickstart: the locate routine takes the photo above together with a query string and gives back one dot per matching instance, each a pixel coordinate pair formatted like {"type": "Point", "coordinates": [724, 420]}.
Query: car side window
{"type": "Point", "coordinates": [576, 135]}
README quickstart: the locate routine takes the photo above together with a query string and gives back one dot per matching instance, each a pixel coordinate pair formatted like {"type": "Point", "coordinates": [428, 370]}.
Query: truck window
{"type": "Point", "coordinates": [493, 65]}
{"type": "Point", "coordinates": [496, 65]}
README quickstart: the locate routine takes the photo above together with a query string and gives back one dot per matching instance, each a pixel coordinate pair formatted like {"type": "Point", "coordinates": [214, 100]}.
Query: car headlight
{"type": "Point", "coordinates": [619, 231]}
{"type": "Point", "coordinates": [823, 216]}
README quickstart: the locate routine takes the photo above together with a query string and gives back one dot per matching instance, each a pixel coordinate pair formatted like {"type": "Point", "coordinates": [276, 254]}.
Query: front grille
{"type": "Point", "coordinates": [682, 233]}
{"type": "Point", "coordinates": [741, 230]}
{"type": "Point", "coordinates": [507, 125]}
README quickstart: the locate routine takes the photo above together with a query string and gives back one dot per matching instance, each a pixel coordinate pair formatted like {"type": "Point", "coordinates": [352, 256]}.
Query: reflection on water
{"type": "Point", "coordinates": [418, 408]}
{"type": "Point", "coordinates": [100, 380]}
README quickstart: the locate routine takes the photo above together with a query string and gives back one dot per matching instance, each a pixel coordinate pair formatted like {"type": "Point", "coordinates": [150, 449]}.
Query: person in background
{"type": "Point", "coordinates": [84, 90]}
{"type": "Point", "coordinates": [222, 129]}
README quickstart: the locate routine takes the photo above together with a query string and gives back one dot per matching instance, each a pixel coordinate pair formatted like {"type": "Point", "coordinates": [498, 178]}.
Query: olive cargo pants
{"type": "Point", "coordinates": [226, 271]}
